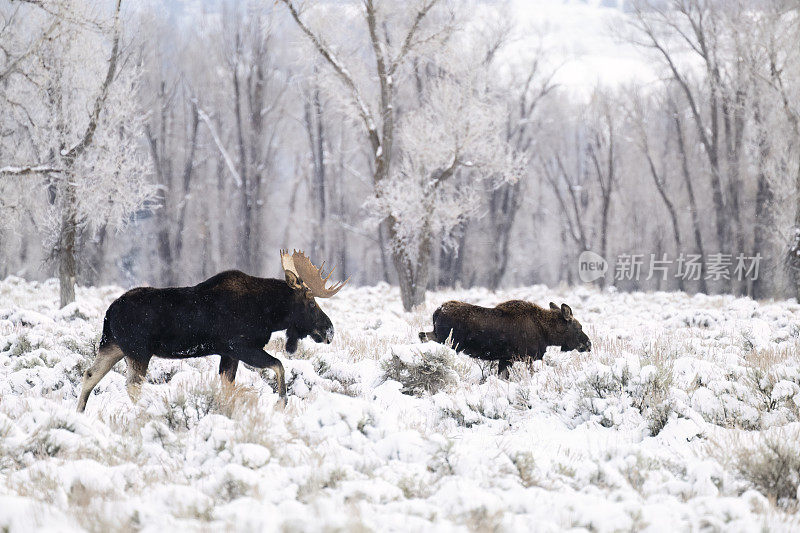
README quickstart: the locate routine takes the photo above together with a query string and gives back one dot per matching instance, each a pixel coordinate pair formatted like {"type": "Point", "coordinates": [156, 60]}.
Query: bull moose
{"type": "Point", "coordinates": [231, 314]}
{"type": "Point", "coordinates": [513, 330]}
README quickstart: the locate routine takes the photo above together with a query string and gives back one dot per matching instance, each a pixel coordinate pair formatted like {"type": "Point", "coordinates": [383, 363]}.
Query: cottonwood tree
{"type": "Point", "coordinates": [775, 68]}
{"type": "Point", "coordinates": [730, 65]}
{"type": "Point", "coordinates": [455, 130]}
{"type": "Point", "coordinates": [84, 168]}
{"type": "Point", "coordinates": [415, 156]}
{"type": "Point", "coordinates": [684, 156]}
{"type": "Point", "coordinates": [393, 33]}
{"type": "Point", "coordinates": [665, 28]}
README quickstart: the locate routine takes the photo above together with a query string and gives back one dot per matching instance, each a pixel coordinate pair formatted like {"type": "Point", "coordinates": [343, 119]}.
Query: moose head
{"type": "Point", "coordinates": [568, 332]}
{"type": "Point", "coordinates": [307, 283]}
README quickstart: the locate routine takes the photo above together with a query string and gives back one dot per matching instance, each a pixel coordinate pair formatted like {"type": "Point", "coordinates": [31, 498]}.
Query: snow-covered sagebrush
{"type": "Point", "coordinates": [684, 416]}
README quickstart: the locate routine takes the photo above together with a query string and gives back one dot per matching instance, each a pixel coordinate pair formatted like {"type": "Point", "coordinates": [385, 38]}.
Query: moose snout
{"type": "Point", "coordinates": [586, 346]}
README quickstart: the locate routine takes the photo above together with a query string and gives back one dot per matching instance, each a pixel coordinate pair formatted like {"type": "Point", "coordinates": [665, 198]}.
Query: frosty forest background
{"type": "Point", "coordinates": [428, 144]}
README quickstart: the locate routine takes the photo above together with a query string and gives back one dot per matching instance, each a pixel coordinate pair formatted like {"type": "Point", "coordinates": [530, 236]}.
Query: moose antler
{"type": "Point", "coordinates": [311, 276]}
{"type": "Point", "coordinates": [288, 263]}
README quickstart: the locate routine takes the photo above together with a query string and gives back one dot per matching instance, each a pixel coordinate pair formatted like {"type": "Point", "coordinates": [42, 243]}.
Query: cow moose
{"type": "Point", "coordinates": [231, 314]}
{"type": "Point", "coordinates": [510, 331]}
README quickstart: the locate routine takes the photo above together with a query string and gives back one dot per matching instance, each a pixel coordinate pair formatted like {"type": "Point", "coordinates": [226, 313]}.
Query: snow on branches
{"type": "Point", "coordinates": [452, 150]}
{"type": "Point", "coordinates": [88, 131]}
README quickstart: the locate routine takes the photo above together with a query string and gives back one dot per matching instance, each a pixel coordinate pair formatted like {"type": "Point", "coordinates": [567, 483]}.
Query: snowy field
{"type": "Point", "coordinates": [685, 416]}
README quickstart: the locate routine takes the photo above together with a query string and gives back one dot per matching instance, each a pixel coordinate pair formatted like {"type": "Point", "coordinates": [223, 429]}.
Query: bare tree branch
{"type": "Point", "coordinates": [408, 41]}
{"type": "Point", "coordinates": [71, 154]}
{"type": "Point", "coordinates": [342, 72]}
{"type": "Point", "coordinates": [29, 169]}
{"type": "Point", "coordinates": [12, 67]}
{"type": "Point", "coordinates": [228, 161]}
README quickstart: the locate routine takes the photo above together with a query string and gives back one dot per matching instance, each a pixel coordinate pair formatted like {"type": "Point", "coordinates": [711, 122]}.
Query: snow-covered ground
{"type": "Point", "coordinates": [685, 416]}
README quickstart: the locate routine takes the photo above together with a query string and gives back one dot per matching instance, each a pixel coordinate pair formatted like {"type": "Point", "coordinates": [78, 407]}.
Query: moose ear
{"type": "Point", "coordinates": [566, 312]}
{"type": "Point", "coordinates": [554, 306]}
{"type": "Point", "coordinates": [292, 280]}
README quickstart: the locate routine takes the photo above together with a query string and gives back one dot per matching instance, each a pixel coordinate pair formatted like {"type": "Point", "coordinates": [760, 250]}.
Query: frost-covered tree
{"type": "Point", "coordinates": [416, 154]}
{"type": "Point", "coordinates": [81, 167]}
{"type": "Point", "coordinates": [772, 58]}
{"type": "Point", "coordinates": [393, 33]}
{"type": "Point", "coordinates": [457, 129]}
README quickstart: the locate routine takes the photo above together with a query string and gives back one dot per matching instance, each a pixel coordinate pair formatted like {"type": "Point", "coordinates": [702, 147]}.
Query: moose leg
{"type": "Point", "coordinates": [137, 370]}
{"type": "Point", "coordinates": [107, 357]}
{"type": "Point", "coordinates": [261, 359]}
{"type": "Point", "coordinates": [227, 367]}
{"type": "Point", "coordinates": [502, 368]}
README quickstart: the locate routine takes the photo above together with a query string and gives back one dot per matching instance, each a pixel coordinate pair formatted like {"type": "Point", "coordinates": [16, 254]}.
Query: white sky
{"type": "Point", "coordinates": [578, 35]}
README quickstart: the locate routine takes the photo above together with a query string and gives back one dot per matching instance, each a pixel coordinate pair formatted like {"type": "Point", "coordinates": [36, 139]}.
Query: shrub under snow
{"type": "Point", "coordinates": [427, 371]}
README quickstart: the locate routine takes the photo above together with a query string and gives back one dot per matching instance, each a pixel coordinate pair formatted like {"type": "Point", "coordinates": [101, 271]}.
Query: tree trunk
{"type": "Point", "coordinates": [67, 267]}
{"type": "Point", "coordinates": [222, 199]}
{"type": "Point", "coordinates": [92, 274]}
{"type": "Point", "coordinates": [383, 231]}
{"type": "Point", "coordinates": [504, 204]}
{"type": "Point", "coordinates": [604, 232]}
{"type": "Point", "coordinates": [316, 140]}
{"type": "Point", "coordinates": [337, 202]}
{"type": "Point", "coordinates": [759, 287]}
{"type": "Point", "coordinates": [451, 261]}
{"type": "Point", "coordinates": [793, 255]}
{"type": "Point", "coordinates": [673, 215]}
{"type": "Point", "coordinates": [733, 126]}
{"type": "Point", "coordinates": [164, 179]}
{"type": "Point", "coordinates": [698, 237]}
{"type": "Point", "coordinates": [245, 245]}
{"type": "Point", "coordinates": [188, 169]}
{"type": "Point", "coordinates": [164, 247]}
{"type": "Point", "coordinates": [412, 276]}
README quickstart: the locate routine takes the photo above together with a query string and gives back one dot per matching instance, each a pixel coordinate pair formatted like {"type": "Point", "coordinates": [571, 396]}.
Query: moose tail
{"type": "Point", "coordinates": [107, 337]}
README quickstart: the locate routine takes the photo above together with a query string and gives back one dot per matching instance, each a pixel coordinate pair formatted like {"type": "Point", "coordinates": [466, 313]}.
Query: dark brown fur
{"type": "Point", "coordinates": [513, 330]}
{"type": "Point", "coordinates": [231, 314]}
